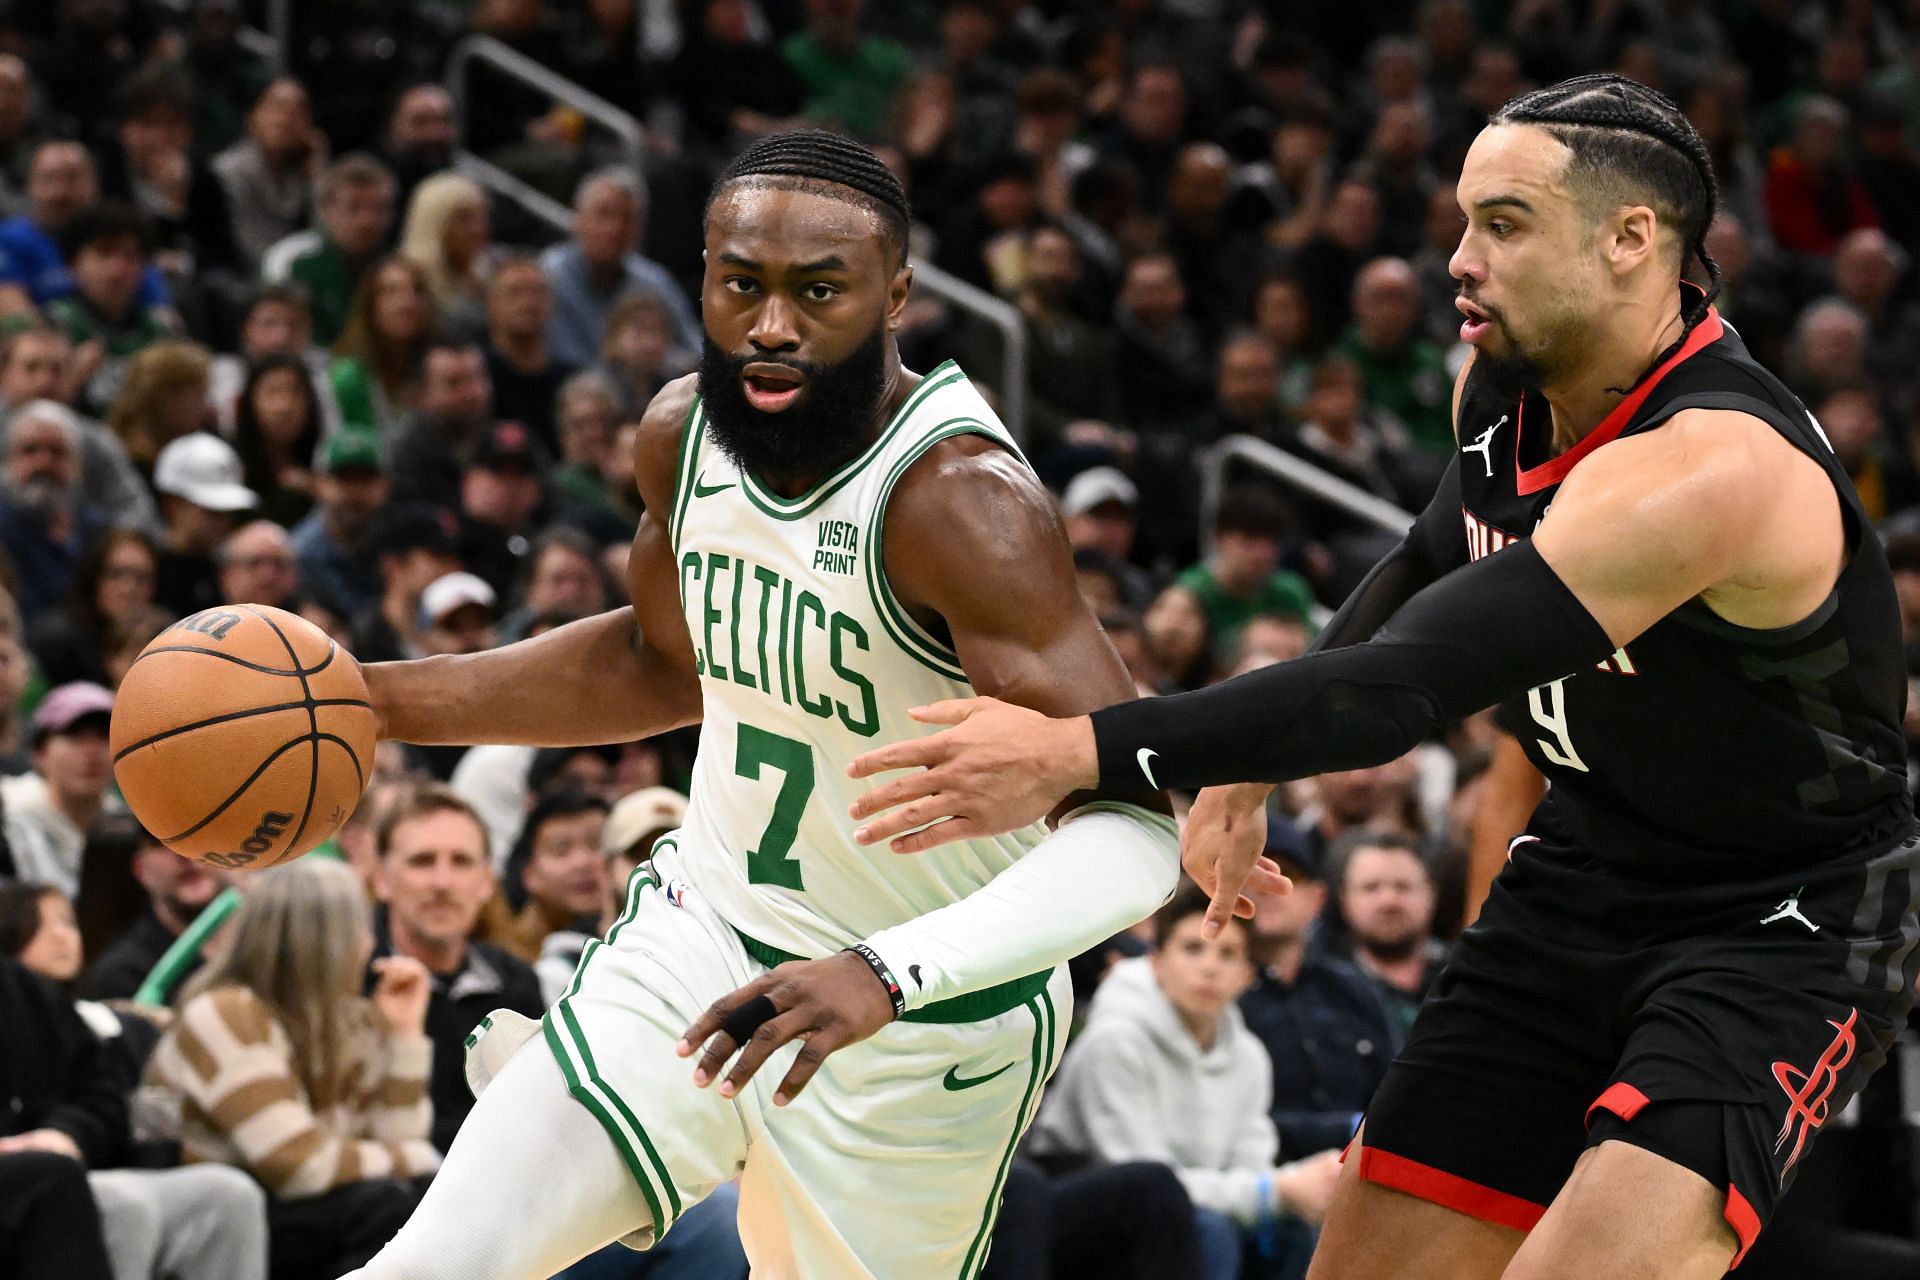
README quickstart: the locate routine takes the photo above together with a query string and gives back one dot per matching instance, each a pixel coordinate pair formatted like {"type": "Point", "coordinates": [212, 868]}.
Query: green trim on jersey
{"type": "Point", "coordinates": [1045, 1030]}
{"type": "Point", "coordinates": [804, 504]}
{"type": "Point", "coordinates": [974, 1006]}
{"type": "Point", "coordinates": [913, 638]}
{"type": "Point", "coordinates": [690, 432]}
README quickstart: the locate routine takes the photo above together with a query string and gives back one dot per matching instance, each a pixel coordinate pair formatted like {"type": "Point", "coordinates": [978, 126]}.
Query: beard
{"type": "Point", "coordinates": [1393, 947]}
{"type": "Point", "coordinates": [821, 430]}
{"type": "Point", "coordinates": [44, 498]}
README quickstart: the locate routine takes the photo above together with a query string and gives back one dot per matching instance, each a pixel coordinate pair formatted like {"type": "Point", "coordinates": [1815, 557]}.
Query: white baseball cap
{"type": "Point", "coordinates": [642, 813]}
{"type": "Point", "coordinates": [452, 591]}
{"type": "Point", "coordinates": [1095, 487]}
{"type": "Point", "coordinates": [203, 469]}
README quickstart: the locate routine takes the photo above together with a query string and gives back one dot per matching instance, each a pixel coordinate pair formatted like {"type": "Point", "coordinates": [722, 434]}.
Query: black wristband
{"type": "Point", "coordinates": [1452, 650]}
{"type": "Point", "coordinates": [880, 971]}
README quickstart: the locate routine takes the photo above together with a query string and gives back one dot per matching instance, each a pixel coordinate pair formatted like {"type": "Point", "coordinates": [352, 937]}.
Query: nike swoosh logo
{"type": "Point", "coordinates": [700, 490]}
{"type": "Point", "coordinates": [953, 1083]}
{"type": "Point", "coordinates": [1145, 756]}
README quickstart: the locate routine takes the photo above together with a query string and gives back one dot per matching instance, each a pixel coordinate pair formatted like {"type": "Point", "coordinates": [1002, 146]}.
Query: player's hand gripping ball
{"type": "Point", "coordinates": [242, 736]}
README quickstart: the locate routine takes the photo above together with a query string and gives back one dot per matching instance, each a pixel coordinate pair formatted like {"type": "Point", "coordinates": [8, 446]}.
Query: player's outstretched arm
{"type": "Point", "coordinates": [614, 677]}
{"type": "Point", "coordinates": [1716, 505]}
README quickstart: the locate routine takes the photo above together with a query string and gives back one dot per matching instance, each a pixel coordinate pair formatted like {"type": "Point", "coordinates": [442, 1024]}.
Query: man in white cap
{"type": "Point", "coordinates": [198, 478]}
{"type": "Point", "coordinates": [1101, 510]}
{"type": "Point", "coordinates": [457, 614]}
{"type": "Point", "coordinates": [636, 820]}
{"type": "Point", "coordinates": [49, 811]}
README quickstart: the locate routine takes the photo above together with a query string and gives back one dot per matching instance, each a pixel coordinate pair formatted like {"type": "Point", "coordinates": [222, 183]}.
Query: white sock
{"type": "Point", "coordinates": [531, 1185]}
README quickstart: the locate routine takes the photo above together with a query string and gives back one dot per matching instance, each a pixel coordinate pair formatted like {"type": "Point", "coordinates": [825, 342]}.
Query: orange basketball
{"type": "Point", "coordinates": [242, 736]}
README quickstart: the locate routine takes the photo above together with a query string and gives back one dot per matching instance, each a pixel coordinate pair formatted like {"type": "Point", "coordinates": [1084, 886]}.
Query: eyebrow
{"type": "Point", "coordinates": [832, 262]}
{"type": "Point", "coordinates": [1496, 202]}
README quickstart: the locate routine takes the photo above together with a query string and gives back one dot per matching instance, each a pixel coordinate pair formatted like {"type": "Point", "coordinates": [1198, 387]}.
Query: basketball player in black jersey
{"type": "Point", "coordinates": [1706, 936]}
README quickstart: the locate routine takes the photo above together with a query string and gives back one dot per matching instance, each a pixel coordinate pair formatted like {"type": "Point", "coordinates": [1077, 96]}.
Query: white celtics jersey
{"type": "Point", "coordinates": [806, 660]}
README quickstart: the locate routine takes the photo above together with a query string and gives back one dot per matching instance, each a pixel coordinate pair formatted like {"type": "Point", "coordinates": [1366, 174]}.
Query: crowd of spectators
{"type": "Point", "coordinates": [261, 340]}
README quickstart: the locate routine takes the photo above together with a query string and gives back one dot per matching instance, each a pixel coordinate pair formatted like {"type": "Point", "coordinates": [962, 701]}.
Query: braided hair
{"type": "Point", "coordinates": [1632, 144]}
{"type": "Point", "coordinates": [828, 164]}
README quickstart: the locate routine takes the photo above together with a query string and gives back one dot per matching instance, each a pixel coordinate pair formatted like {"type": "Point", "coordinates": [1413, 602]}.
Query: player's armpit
{"type": "Point", "coordinates": [1714, 504]}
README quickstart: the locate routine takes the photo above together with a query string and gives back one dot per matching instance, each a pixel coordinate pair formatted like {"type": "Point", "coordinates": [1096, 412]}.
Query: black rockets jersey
{"type": "Point", "coordinates": [1702, 749]}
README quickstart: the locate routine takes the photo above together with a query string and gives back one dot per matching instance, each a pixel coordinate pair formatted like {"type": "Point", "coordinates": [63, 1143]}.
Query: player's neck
{"type": "Point", "coordinates": [1616, 357]}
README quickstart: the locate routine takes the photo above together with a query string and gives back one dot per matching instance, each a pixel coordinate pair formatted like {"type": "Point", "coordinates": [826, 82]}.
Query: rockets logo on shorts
{"type": "Point", "coordinates": [1808, 1091]}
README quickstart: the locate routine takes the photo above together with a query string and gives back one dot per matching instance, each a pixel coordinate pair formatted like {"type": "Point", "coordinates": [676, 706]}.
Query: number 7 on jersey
{"type": "Point", "coordinates": [773, 861]}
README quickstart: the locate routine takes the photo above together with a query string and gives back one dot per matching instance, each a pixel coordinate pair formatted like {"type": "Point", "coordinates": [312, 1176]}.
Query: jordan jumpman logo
{"type": "Point", "coordinates": [1483, 444]}
{"type": "Point", "coordinates": [1790, 910]}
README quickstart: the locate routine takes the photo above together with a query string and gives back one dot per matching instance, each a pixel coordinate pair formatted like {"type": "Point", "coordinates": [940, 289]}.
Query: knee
{"type": "Point", "coordinates": [233, 1196]}
{"type": "Point", "coordinates": [1149, 1190]}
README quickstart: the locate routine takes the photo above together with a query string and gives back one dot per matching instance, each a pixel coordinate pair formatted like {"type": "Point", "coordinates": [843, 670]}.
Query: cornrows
{"type": "Point", "coordinates": [808, 156]}
{"type": "Point", "coordinates": [1620, 127]}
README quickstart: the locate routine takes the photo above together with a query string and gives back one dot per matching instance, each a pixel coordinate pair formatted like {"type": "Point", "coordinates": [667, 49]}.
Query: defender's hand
{"type": "Point", "coordinates": [1220, 847]}
{"type": "Point", "coordinates": [828, 1004]}
{"type": "Point", "coordinates": [999, 768]}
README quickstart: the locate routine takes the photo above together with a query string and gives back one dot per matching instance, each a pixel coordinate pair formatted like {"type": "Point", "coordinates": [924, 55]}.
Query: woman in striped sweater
{"type": "Point", "coordinates": [283, 1069]}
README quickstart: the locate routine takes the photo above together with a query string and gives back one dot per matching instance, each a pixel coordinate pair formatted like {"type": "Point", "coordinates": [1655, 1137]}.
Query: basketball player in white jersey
{"type": "Point", "coordinates": [830, 540]}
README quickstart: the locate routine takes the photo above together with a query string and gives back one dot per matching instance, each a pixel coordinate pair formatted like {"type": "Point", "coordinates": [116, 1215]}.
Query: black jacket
{"type": "Point", "coordinates": [54, 1072]}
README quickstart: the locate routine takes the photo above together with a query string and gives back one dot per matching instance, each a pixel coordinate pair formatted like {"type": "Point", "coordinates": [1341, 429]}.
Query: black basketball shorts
{"type": "Point", "coordinates": [1717, 1025]}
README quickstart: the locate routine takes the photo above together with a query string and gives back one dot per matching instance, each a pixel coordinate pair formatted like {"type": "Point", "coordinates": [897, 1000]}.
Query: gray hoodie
{"type": "Point", "coordinates": [1137, 1086]}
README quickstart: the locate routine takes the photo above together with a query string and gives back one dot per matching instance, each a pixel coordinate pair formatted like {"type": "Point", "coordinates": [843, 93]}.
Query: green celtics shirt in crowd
{"type": "Point", "coordinates": [120, 343]}
{"type": "Point", "coordinates": [1284, 593]}
{"type": "Point", "coordinates": [806, 660]}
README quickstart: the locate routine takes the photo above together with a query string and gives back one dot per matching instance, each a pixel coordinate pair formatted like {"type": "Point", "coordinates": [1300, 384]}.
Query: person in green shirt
{"type": "Point", "coordinates": [1402, 372]}
{"type": "Point", "coordinates": [1241, 578]}
{"type": "Point", "coordinates": [849, 78]}
{"type": "Point", "coordinates": [355, 201]}
{"type": "Point", "coordinates": [107, 249]}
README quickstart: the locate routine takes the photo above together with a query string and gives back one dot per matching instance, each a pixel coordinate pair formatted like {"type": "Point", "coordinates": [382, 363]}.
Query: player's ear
{"type": "Point", "coordinates": [897, 290]}
{"type": "Point", "coordinates": [1632, 236]}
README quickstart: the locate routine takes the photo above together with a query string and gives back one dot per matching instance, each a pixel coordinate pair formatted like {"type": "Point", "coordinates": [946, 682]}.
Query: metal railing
{"type": "Point", "coordinates": [974, 301]}
{"type": "Point", "coordinates": [1296, 472]}
{"type": "Point", "coordinates": [271, 44]}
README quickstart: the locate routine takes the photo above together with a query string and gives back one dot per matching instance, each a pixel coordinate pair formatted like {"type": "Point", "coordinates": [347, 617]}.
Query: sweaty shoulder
{"type": "Point", "coordinates": [656, 448]}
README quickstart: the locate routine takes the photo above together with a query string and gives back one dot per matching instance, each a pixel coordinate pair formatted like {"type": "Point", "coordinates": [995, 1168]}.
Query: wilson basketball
{"type": "Point", "coordinates": [242, 736]}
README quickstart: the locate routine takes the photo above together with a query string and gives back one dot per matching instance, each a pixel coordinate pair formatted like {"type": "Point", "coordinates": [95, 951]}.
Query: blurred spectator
{"type": "Point", "coordinates": [1206, 236]}
{"type": "Point", "coordinates": [108, 250]}
{"type": "Point", "coordinates": [729, 79]}
{"type": "Point", "coordinates": [177, 890]}
{"type": "Point", "coordinates": [1395, 164]}
{"type": "Point", "coordinates": [1754, 296]}
{"type": "Point", "coordinates": [1281, 316]}
{"type": "Point", "coordinates": [1151, 126]}
{"type": "Point", "coordinates": [283, 1070]}
{"type": "Point", "coordinates": [1241, 576]}
{"type": "Point", "coordinates": [1868, 268]}
{"type": "Point", "coordinates": [1071, 374]}
{"type": "Point", "coordinates": [269, 175]}
{"type": "Point", "coordinates": [198, 478]}
{"type": "Point", "coordinates": [525, 377]}
{"type": "Point", "coordinates": [1162, 356]}
{"type": "Point", "coordinates": [1346, 239]}
{"type": "Point", "coordinates": [1400, 370]}
{"type": "Point", "coordinates": [641, 348]}
{"type": "Point", "coordinates": [91, 44]}
{"type": "Point", "coordinates": [458, 613]}
{"type": "Point", "coordinates": [1882, 477]}
{"type": "Point", "coordinates": [1828, 349]}
{"type": "Point", "coordinates": [501, 495]}
{"type": "Point", "coordinates": [34, 365]}
{"type": "Point", "coordinates": [1351, 800]}
{"type": "Point", "coordinates": [433, 878]}
{"type": "Point", "coordinates": [563, 577]}
{"type": "Point", "coordinates": [448, 236]}
{"type": "Point", "coordinates": [37, 928]}
{"type": "Point", "coordinates": [1246, 390]}
{"type": "Point", "coordinates": [561, 879]}
{"type": "Point", "coordinates": [1889, 170]}
{"type": "Point", "coordinates": [454, 413]}
{"type": "Point", "coordinates": [24, 125]}
{"type": "Point", "coordinates": [163, 398]}
{"type": "Point", "coordinates": [49, 810]}
{"type": "Point", "coordinates": [113, 590]}
{"type": "Point", "coordinates": [983, 241]}
{"type": "Point", "coordinates": [413, 544]}
{"type": "Point", "coordinates": [419, 137]}
{"type": "Point", "coordinates": [1387, 900]}
{"type": "Point", "coordinates": [848, 78]}
{"type": "Point", "coordinates": [354, 200]}
{"type": "Point", "coordinates": [277, 428]}
{"type": "Point", "coordinates": [1177, 637]}
{"type": "Point", "coordinates": [46, 526]}
{"type": "Point", "coordinates": [277, 324]}
{"type": "Point", "coordinates": [601, 264]}
{"type": "Point", "coordinates": [1324, 1026]}
{"type": "Point", "coordinates": [154, 170]}
{"type": "Point", "coordinates": [1296, 183]}
{"type": "Point", "coordinates": [331, 544]}
{"type": "Point", "coordinates": [1100, 510]}
{"type": "Point", "coordinates": [62, 184]}
{"type": "Point", "coordinates": [223, 76]}
{"type": "Point", "coordinates": [1161, 1030]}
{"type": "Point", "coordinates": [257, 567]}
{"type": "Point", "coordinates": [16, 672]}
{"type": "Point", "coordinates": [1340, 433]}
{"type": "Point", "coordinates": [636, 820]}
{"type": "Point", "coordinates": [1813, 197]}
{"type": "Point", "coordinates": [380, 355]}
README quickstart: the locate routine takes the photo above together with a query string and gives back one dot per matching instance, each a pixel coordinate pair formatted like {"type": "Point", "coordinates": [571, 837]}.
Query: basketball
{"type": "Point", "coordinates": [242, 736]}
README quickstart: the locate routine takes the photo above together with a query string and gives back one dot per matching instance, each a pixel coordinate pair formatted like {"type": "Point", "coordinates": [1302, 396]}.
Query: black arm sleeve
{"type": "Point", "coordinates": [1437, 544]}
{"type": "Point", "coordinates": [1481, 634]}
